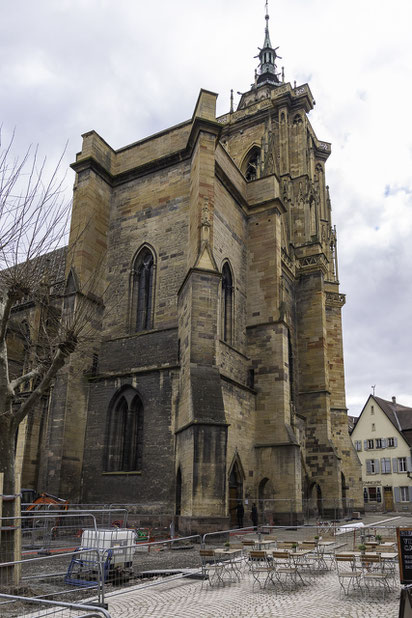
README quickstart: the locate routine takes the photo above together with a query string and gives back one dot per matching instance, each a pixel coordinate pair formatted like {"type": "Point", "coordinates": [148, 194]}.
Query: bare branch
{"type": "Point", "coordinates": [34, 373]}
{"type": "Point", "coordinates": [60, 356]}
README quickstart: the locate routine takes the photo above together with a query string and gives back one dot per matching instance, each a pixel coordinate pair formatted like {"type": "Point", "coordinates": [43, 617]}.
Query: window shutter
{"type": "Point", "coordinates": [394, 464]}
{"type": "Point", "coordinates": [365, 445]}
{"type": "Point", "coordinates": [383, 442]}
{"type": "Point", "coordinates": [383, 467]}
{"type": "Point", "coordinates": [397, 494]}
{"type": "Point", "coordinates": [410, 493]}
{"type": "Point", "coordinates": [395, 441]}
{"type": "Point", "coordinates": [368, 466]}
{"type": "Point", "coordinates": [409, 464]}
{"type": "Point", "coordinates": [376, 466]}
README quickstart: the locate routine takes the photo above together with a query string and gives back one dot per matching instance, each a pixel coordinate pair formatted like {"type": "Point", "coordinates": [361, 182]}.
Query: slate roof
{"type": "Point", "coordinates": [400, 416]}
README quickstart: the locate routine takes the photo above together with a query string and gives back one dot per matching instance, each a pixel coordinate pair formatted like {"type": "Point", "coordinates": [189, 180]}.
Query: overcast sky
{"type": "Point", "coordinates": [129, 68]}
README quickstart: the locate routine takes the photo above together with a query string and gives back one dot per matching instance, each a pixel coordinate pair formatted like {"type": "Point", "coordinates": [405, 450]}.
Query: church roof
{"type": "Point", "coordinates": [49, 266]}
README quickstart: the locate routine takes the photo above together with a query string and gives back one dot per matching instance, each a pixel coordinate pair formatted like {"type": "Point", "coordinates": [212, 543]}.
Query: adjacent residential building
{"type": "Point", "coordinates": [382, 438]}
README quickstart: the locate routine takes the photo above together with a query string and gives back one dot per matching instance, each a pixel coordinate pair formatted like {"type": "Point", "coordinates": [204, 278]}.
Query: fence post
{"type": "Point", "coordinates": [17, 531]}
{"type": "Point", "coordinates": [101, 561]}
{"type": "Point", "coordinates": [10, 531]}
{"type": "Point", "coordinates": [1, 506]}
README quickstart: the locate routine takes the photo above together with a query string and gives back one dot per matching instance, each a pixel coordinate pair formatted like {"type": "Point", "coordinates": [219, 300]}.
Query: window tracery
{"type": "Point", "coordinates": [124, 441]}
{"type": "Point", "coordinates": [143, 274]}
{"type": "Point", "coordinates": [227, 304]}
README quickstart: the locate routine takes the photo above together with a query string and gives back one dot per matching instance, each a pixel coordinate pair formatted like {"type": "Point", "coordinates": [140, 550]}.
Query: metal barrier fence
{"type": "Point", "coordinates": [111, 561]}
{"type": "Point", "coordinates": [225, 534]}
{"type": "Point", "coordinates": [54, 529]}
{"type": "Point", "coordinates": [286, 511]}
{"type": "Point", "coordinates": [53, 608]}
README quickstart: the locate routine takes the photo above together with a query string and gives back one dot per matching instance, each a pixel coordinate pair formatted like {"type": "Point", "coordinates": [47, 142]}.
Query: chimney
{"type": "Point", "coordinates": [394, 399]}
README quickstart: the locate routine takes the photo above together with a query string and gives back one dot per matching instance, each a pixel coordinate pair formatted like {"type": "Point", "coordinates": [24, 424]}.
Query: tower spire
{"type": "Point", "coordinates": [267, 57]}
{"type": "Point", "coordinates": [267, 42]}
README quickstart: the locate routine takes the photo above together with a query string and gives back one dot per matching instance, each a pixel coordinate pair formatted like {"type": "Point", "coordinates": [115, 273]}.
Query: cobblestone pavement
{"type": "Point", "coordinates": [188, 599]}
{"type": "Point", "coordinates": [321, 598]}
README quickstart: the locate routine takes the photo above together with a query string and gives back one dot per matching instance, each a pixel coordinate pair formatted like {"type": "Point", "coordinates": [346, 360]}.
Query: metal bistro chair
{"type": "Point", "coordinates": [309, 562]}
{"type": "Point", "coordinates": [348, 575]}
{"type": "Point", "coordinates": [286, 569]}
{"type": "Point", "coordinates": [389, 566]}
{"type": "Point", "coordinates": [261, 568]}
{"type": "Point", "coordinates": [212, 568]}
{"type": "Point", "coordinates": [286, 545]}
{"type": "Point", "coordinates": [374, 575]}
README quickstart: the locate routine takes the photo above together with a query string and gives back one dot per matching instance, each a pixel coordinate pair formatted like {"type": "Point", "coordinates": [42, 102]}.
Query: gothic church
{"type": "Point", "coordinates": [216, 374]}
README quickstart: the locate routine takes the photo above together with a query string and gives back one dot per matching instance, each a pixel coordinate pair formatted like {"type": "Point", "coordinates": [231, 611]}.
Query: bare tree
{"type": "Point", "coordinates": [34, 216]}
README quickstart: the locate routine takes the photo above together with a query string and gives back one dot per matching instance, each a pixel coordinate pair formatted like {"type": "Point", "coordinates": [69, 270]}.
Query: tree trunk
{"type": "Point", "coordinates": [10, 546]}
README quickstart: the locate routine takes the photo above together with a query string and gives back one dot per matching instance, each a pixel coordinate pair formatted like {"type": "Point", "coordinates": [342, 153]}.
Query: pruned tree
{"type": "Point", "coordinates": [34, 217]}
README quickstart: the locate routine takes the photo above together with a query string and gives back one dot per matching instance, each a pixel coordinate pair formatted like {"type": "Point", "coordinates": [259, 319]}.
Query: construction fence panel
{"type": "Point", "coordinates": [54, 578]}
{"type": "Point", "coordinates": [31, 607]}
{"type": "Point", "coordinates": [51, 531]}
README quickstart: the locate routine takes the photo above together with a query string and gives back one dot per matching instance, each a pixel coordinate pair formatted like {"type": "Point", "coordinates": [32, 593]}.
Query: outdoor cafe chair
{"type": "Point", "coordinates": [309, 560]}
{"type": "Point", "coordinates": [212, 567]}
{"type": "Point", "coordinates": [286, 570]}
{"type": "Point", "coordinates": [248, 542]}
{"type": "Point", "coordinates": [261, 568]}
{"type": "Point", "coordinates": [348, 575]}
{"type": "Point", "coordinates": [272, 540]}
{"type": "Point", "coordinates": [374, 575]}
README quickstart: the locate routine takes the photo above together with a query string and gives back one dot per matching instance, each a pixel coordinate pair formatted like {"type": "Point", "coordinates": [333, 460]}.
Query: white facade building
{"type": "Point", "coordinates": [382, 438]}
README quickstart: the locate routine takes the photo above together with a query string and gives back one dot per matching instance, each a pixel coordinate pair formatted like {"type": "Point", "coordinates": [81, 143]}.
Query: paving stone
{"type": "Point", "coordinates": [189, 599]}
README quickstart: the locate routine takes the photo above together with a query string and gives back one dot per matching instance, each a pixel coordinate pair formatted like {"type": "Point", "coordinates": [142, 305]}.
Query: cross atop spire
{"type": "Point", "coordinates": [267, 57]}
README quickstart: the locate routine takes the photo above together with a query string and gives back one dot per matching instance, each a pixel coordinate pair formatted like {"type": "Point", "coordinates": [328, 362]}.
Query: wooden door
{"type": "Point", "coordinates": [388, 498]}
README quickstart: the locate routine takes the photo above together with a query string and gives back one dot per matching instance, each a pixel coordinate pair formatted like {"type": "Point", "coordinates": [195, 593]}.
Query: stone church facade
{"type": "Point", "coordinates": [216, 372]}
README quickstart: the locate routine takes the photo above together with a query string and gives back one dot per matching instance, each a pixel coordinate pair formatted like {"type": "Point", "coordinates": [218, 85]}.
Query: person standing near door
{"type": "Point", "coordinates": [254, 515]}
{"type": "Point", "coordinates": [240, 512]}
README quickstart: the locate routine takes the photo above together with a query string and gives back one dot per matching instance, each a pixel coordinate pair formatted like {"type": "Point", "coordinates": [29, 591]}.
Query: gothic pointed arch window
{"type": "Point", "coordinates": [251, 164]}
{"type": "Point", "coordinates": [70, 291]}
{"type": "Point", "coordinates": [124, 438]}
{"type": "Point", "coordinates": [227, 304]}
{"type": "Point", "coordinates": [143, 274]}
{"type": "Point", "coordinates": [291, 368]}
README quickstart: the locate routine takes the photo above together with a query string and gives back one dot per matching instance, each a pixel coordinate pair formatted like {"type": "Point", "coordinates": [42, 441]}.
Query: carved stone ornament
{"type": "Point", "coordinates": [313, 263]}
{"type": "Point", "coordinates": [335, 299]}
{"type": "Point", "coordinates": [205, 220]}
